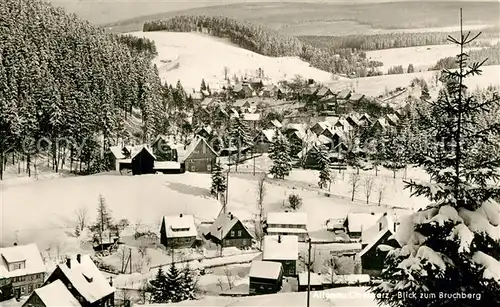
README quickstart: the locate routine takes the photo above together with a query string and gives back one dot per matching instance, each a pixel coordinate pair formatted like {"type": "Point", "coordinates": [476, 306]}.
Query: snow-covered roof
{"type": "Point", "coordinates": [344, 247]}
{"type": "Point", "coordinates": [287, 218]}
{"type": "Point", "coordinates": [387, 220]}
{"type": "Point", "coordinates": [316, 279]}
{"type": "Point", "coordinates": [393, 118]}
{"type": "Point", "coordinates": [87, 279]}
{"type": "Point", "coordinates": [281, 248]}
{"type": "Point", "coordinates": [251, 116]}
{"type": "Point", "coordinates": [276, 123]}
{"type": "Point", "coordinates": [197, 95]}
{"type": "Point", "coordinates": [349, 279]}
{"type": "Point", "coordinates": [275, 230]}
{"type": "Point", "coordinates": [356, 222]}
{"type": "Point", "coordinates": [167, 165]}
{"type": "Point", "coordinates": [192, 146]}
{"type": "Point", "coordinates": [117, 152]}
{"type": "Point", "coordinates": [223, 225]}
{"type": "Point", "coordinates": [323, 140]}
{"type": "Point", "coordinates": [179, 226]}
{"type": "Point", "coordinates": [344, 94]}
{"type": "Point", "coordinates": [335, 223]}
{"type": "Point", "coordinates": [139, 148]}
{"type": "Point", "coordinates": [356, 97]}
{"type": "Point", "coordinates": [332, 120]}
{"type": "Point", "coordinates": [56, 294]}
{"type": "Point", "coordinates": [322, 125]}
{"type": "Point", "coordinates": [267, 134]}
{"type": "Point", "coordinates": [265, 269]}
{"type": "Point", "coordinates": [28, 253]}
{"type": "Point", "coordinates": [207, 129]}
{"type": "Point", "coordinates": [376, 240]}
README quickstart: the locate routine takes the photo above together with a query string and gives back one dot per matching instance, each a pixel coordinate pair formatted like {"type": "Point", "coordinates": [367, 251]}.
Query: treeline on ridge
{"type": "Point", "coordinates": [62, 78]}
{"type": "Point", "coordinates": [490, 54]}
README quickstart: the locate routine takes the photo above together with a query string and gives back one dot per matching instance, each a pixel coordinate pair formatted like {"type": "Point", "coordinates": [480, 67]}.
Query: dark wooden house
{"type": "Point", "coordinates": [372, 256]}
{"type": "Point", "coordinates": [142, 161]}
{"type": "Point", "coordinates": [84, 281]}
{"type": "Point", "coordinates": [228, 231]}
{"type": "Point", "coordinates": [178, 231]}
{"type": "Point", "coordinates": [163, 149]}
{"type": "Point", "coordinates": [199, 156]}
{"type": "Point", "coordinates": [52, 295]}
{"type": "Point", "coordinates": [21, 270]}
{"type": "Point", "coordinates": [282, 249]}
{"type": "Point", "coordinates": [263, 140]}
{"type": "Point", "coordinates": [266, 277]}
{"type": "Point", "coordinates": [243, 90]}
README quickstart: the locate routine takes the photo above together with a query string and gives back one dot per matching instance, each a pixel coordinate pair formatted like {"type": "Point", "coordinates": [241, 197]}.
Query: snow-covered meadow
{"type": "Point", "coordinates": [200, 56]}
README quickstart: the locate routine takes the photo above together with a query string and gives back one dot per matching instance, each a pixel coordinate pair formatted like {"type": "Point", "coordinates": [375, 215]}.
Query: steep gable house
{"type": "Point", "coordinates": [282, 249]}
{"type": "Point", "coordinates": [373, 257]}
{"type": "Point", "coordinates": [199, 156]}
{"type": "Point", "coordinates": [21, 270]}
{"type": "Point", "coordinates": [84, 281]}
{"type": "Point", "coordinates": [287, 223]}
{"type": "Point", "coordinates": [178, 231]}
{"type": "Point", "coordinates": [52, 295]}
{"type": "Point", "coordinates": [264, 139]}
{"type": "Point", "coordinates": [356, 223]}
{"type": "Point", "coordinates": [229, 231]}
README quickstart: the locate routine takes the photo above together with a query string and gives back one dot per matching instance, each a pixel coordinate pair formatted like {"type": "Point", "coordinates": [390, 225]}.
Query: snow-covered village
{"type": "Point", "coordinates": [271, 153]}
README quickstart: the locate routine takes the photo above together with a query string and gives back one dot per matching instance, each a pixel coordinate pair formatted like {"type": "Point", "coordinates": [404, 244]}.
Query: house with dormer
{"type": "Point", "coordinates": [84, 281]}
{"type": "Point", "coordinates": [21, 270]}
{"type": "Point", "coordinates": [178, 231]}
{"type": "Point", "coordinates": [52, 295]}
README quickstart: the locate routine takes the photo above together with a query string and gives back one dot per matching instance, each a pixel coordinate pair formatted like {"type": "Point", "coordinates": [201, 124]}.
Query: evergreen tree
{"type": "Point", "coordinates": [218, 180]}
{"type": "Point", "coordinates": [173, 279]}
{"type": "Point", "coordinates": [104, 220]}
{"type": "Point", "coordinates": [158, 288]}
{"type": "Point", "coordinates": [410, 69]}
{"type": "Point", "coordinates": [240, 136]}
{"type": "Point", "coordinates": [393, 152]}
{"type": "Point", "coordinates": [452, 246]}
{"type": "Point", "coordinates": [280, 155]}
{"type": "Point", "coordinates": [188, 283]}
{"type": "Point", "coordinates": [325, 174]}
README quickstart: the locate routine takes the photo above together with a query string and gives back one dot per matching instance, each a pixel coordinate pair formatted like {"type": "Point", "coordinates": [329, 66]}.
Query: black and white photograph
{"type": "Point", "coordinates": [249, 153]}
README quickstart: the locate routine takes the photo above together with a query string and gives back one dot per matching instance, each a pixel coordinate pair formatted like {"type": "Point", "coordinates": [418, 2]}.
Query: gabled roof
{"type": "Point", "coordinates": [270, 87]}
{"type": "Point", "coordinates": [344, 123]}
{"type": "Point", "coordinates": [287, 218]}
{"type": "Point", "coordinates": [387, 220]}
{"type": "Point", "coordinates": [281, 248]}
{"type": "Point", "coordinates": [323, 140]}
{"type": "Point", "coordinates": [323, 91]}
{"type": "Point", "coordinates": [276, 123]}
{"type": "Point", "coordinates": [357, 222]}
{"type": "Point", "coordinates": [356, 97]}
{"type": "Point", "coordinates": [332, 120]}
{"type": "Point", "coordinates": [138, 149]}
{"type": "Point", "coordinates": [28, 253]}
{"type": "Point", "coordinates": [207, 129]}
{"type": "Point", "coordinates": [223, 225]}
{"type": "Point", "coordinates": [267, 134]}
{"type": "Point", "coordinates": [393, 119]}
{"type": "Point", "coordinates": [265, 269]}
{"type": "Point", "coordinates": [179, 226]}
{"type": "Point", "coordinates": [376, 240]}
{"type": "Point", "coordinates": [117, 152]}
{"type": "Point", "coordinates": [192, 146]}
{"type": "Point", "coordinates": [327, 98]}
{"type": "Point", "coordinates": [86, 279]}
{"type": "Point", "coordinates": [238, 88]}
{"type": "Point", "coordinates": [344, 94]}
{"type": "Point", "coordinates": [56, 294]}
{"type": "Point", "coordinates": [382, 122]}
{"type": "Point", "coordinates": [322, 125]}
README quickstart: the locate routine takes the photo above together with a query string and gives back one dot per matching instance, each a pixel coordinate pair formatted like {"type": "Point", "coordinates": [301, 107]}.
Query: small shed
{"type": "Point", "coordinates": [266, 277]}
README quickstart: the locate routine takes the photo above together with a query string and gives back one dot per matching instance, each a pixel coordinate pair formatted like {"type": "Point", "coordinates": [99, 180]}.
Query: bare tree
{"type": "Point", "coordinates": [330, 269]}
{"type": "Point", "coordinates": [354, 181]}
{"type": "Point", "coordinates": [230, 279]}
{"type": "Point", "coordinates": [81, 218]}
{"type": "Point", "coordinates": [380, 192]}
{"type": "Point", "coordinates": [261, 193]}
{"type": "Point", "coordinates": [368, 182]}
{"type": "Point", "coordinates": [123, 254]}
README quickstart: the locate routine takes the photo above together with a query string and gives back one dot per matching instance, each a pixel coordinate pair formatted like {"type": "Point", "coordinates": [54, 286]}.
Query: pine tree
{"type": "Point", "coordinates": [173, 279]}
{"type": "Point", "coordinates": [158, 287]}
{"type": "Point", "coordinates": [188, 283]}
{"type": "Point", "coordinates": [104, 220]}
{"type": "Point", "coordinates": [203, 86]}
{"type": "Point", "coordinates": [325, 174]}
{"type": "Point", "coordinates": [392, 152]}
{"type": "Point", "coordinates": [452, 246]}
{"type": "Point", "coordinates": [218, 180]}
{"type": "Point", "coordinates": [240, 136]}
{"type": "Point", "coordinates": [280, 154]}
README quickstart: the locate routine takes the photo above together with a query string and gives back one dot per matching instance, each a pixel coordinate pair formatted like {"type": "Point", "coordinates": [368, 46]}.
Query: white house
{"type": "Point", "coordinates": [287, 223]}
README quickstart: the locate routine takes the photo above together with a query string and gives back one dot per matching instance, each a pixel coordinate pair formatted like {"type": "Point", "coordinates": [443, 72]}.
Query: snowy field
{"type": "Point", "coordinates": [202, 56]}
{"type": "Point", "coordinates": [422, 57]}
{"type": "Point", "coordinates": [375, 86]}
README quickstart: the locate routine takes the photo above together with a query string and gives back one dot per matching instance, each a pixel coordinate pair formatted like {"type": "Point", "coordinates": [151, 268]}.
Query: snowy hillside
{"type": "Point", "coordinates": [189, 57]}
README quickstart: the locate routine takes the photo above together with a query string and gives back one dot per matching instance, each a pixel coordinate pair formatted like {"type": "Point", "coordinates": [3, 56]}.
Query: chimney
{"type": "Point", "coordinates": [230, 215]}
{"type": "Point", "coordinates": [15, 243]}
{"type": "Point", "coordinates": [279, 238]}
{"type": "Point", "coordinates": [79, 258]}
{"type": "Point", "coordinates": [372, 213]}
{"type": "Point", "coordinates": [111, 281]}
{"type": "Point", "coordinates": [180, 215]}
{"type": "Point", "coordinates": [68, 263]}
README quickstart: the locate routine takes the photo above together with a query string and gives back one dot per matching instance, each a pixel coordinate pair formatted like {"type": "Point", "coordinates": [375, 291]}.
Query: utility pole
{"type": "Point", "coordinates": [309, 272]}
{"type": "Point", "coordinates": [253, 154]}
{"type": "Point", "coordinates": [226, 200]}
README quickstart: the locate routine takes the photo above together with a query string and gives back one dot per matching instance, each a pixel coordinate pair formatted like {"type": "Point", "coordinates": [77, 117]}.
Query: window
{"type": "Point", "coordinates": [30, 288]}
{"type": "Point", "coordinates": [239, 233]}
{"type": "Point", "coordinates": [244, 242]}
{"type": "Point", "coordinates": [379, 226]}
{"type": "Point", "coordinates": [23, 289]}
{"type": "Point", "coordinates": [232, 233]}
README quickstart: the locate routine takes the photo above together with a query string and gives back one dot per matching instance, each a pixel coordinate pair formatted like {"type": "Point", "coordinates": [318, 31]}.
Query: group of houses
{"type": "Point", "coordinates": [74, 283]}
{"type": "Point", "coordinates": [163, 156]}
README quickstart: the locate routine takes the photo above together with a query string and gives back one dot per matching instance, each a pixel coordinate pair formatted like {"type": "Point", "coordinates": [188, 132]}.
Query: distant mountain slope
{"type": "Point", "coordinates": [189, 57]}
{"type": "Point", "coordinates": [327, 18]}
